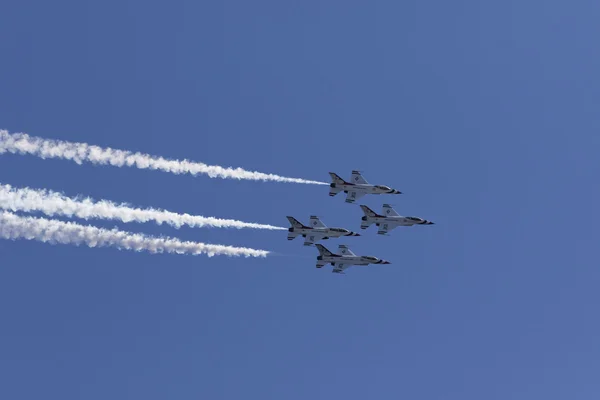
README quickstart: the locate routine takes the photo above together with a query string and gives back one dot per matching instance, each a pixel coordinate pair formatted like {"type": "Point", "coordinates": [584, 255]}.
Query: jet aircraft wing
{"type": "Point", "coordinates": [358, 179]}
{"type": "Point", "coordinates": [312, 238]}
{"type": "Point", "coordinates": [339, 268]}
{"type": "Point", "coordinates": [345, 251]}
{"type": "Point", "coordinates": [389, 211]}
{"type": "Point", "coordinates": [315, 222]}
{"type": "Point", "coordinates": [385, 228]}
{"type": "Point", "coordinates": [353, 196]}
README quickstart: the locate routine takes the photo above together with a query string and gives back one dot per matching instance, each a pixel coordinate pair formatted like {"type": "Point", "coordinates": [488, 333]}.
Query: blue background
{"type": "Point", "coordinates": [485, 114]}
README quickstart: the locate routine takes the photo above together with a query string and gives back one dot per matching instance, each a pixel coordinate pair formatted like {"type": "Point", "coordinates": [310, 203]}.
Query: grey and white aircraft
{"type": "Point", "coordinates": [357, 187]}
{"type": "Point", "coordinates": [344, 259]}
{"type": "Point", "coordinates": [315, 231]}
{"type": "Point", "coordinates": [388, 219]}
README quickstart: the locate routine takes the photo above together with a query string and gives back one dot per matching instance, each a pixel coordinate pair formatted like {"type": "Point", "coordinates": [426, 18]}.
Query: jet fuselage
{"type": "Point", "coordinates": [326, 232]}
{"type": "Point", "coordinates": [351, 260]}
{"type": "Point", "coordinates": [398, 220]}
{"type": "Point", "coordinates": [315, 231]}
{"type": "Point", "coordinates": [365, 189]}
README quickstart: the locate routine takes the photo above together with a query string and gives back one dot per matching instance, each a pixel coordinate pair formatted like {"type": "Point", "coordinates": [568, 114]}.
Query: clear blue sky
{"type": "Point", "coordinates": [485, 114]}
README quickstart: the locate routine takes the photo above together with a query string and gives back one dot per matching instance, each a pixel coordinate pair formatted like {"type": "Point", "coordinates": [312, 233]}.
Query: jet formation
{"type": "Point", "coordinates": [386, 221]}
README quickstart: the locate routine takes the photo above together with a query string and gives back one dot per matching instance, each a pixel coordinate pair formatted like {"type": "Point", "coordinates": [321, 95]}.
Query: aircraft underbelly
{"type": "Point", "coordinates": [357, 189]}
{"type": "Point", "coordinates": [396, 222]}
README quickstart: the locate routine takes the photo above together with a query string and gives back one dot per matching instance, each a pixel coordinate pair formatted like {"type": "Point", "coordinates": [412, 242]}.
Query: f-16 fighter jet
{"type": "Point", "coordinates": [357, 187]}
{"type": "Point", "coordinates": [344, 259]}
{"type": "Point", "coordinates": [316, 231]}
{"type": "Point", "coordinates": [388, 219]}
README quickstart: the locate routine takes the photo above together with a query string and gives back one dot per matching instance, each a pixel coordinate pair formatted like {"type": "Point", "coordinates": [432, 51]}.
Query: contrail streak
{"type": "Point", "coordinates": [21, 143]}
{"type": "Point", "coordinates": [53, 203]}
{"type": "Point", "coordinates": [58, 232]}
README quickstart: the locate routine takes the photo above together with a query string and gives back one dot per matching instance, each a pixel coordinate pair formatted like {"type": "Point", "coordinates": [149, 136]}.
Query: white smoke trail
{"type": "Point", "coordinates": [58, 232]}
{"type": "Point", "coordinates": [53, 203]}
{"type": "Point", "coordinates": [21, 143]}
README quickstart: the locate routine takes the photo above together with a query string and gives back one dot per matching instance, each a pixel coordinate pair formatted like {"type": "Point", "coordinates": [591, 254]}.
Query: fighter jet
{"type": "Point", "coordinates": [345, 259]}
{"type": "Point", "coordinates": [357, 187]}
{"type": "Point", "coordinates": [388, 219]}
{"type": "Point", "coordinates": [316, 231]}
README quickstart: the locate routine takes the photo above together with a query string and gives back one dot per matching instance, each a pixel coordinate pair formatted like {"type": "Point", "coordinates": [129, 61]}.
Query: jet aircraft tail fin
{"type": "Point", "coordinates": [295, 223]}
{"type": "Point", "coordinates": [323, 252]}
{"type": "Point", "coordinates": [369, 217]}
{"type": "Point", "coordinates": [368, 212]}
{"type": "Point", "coordinates": [335, 178]}
{"type": "Point", "coordinates": [336, 181]}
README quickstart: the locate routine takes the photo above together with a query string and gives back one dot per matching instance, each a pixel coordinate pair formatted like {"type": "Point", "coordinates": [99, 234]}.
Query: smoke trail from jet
{"type": "Point", "coordinates": [21, 143]}
{"type": "Point", "coordinates": [58, 232]}
{"type": "Point", "coordinates": [53, 203]}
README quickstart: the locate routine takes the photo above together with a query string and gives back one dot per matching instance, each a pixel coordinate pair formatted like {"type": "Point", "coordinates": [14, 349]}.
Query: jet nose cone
{"type": "Point", "coordinates": [356, 234]}
{"type": "Point", "coordinates": [386, 262]}
{"type": "Point", "coordinates": [397, 192]}
{"type": "Point", "coordinates": [430, 223]}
